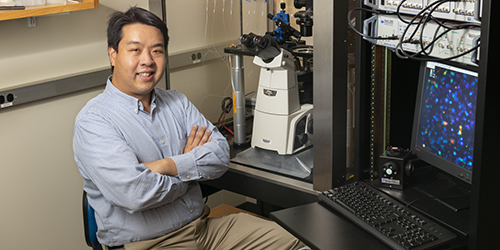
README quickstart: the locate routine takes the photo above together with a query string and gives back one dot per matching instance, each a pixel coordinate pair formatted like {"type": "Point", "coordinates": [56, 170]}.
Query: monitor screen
{"type": "Point", "coordinates": [445, 118]}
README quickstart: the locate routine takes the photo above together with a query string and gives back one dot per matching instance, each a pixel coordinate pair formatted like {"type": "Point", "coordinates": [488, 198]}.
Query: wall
{"type": "Point", "coordinates": [40, 187]}
{"type": "Point", "coordinates": [218, 22]}
{"type": "Point", "coordinates": [40, 184]}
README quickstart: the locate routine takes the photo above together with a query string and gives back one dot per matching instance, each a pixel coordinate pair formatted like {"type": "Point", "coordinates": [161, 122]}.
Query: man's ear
{"type": "Point", "coordinates": [112, 55]}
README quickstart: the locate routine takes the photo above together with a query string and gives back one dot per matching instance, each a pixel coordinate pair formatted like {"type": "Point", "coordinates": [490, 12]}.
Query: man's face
{"type": "Point", "coordinates": [140, 60]}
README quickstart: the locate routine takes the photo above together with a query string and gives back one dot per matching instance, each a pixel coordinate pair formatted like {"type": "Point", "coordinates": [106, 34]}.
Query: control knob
{"type": "Point", "coordinates": [390, 169]}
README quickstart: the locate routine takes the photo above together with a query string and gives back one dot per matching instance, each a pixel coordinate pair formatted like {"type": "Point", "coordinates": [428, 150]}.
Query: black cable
{"type": "Point", "coordinates": [436, 37]}
{"type": "Point", "coordinates": [424, 19]}
{"type": "Point", "coordinates": [414, 56]}
{"type": "Point", "coordinates": [441, 24]}
{"type": "Point", "coordinates": [431, 44]}
{"type": "Point", "coordinates": [407, 56]}
{"type": "Point", "coordinates": [422, 11]}
{"type": "Point", "coordinates": [419, 14]}
{"type": "Point", "coordinates": [226, 105]}
{"type": "Point", "coordinates": [226, 108]}
{"type": "Point", "coordinates": [448, 58]}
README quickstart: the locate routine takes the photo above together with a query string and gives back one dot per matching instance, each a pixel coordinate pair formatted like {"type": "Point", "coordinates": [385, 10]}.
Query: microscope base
{"type": "Point", "coordinates": [284, 134]}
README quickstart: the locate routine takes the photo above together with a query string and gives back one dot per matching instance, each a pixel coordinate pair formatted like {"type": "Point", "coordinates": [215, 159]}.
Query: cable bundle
{"type": "Point", "coordinates": [420, 20]}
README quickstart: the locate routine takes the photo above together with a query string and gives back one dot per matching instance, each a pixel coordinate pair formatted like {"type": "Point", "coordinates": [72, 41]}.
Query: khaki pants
{"type": "Point", "coordinates": [236, 231]}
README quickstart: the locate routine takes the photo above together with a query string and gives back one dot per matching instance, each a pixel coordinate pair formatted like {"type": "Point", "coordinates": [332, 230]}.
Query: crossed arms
{"type": "Point", "coordinates": [166, 166]}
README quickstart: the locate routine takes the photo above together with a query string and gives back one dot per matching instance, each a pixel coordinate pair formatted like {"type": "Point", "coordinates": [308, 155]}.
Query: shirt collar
{"type": "Point", "coordinates": [129, 101]}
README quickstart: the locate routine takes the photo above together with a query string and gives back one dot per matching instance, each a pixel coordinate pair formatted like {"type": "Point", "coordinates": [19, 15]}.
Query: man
{"type": "Point", "coordinates": [141, 151]}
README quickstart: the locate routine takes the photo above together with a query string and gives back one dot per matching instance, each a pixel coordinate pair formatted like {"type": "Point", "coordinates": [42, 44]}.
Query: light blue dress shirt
{"type": "Point", "coordinates": [113, 135]}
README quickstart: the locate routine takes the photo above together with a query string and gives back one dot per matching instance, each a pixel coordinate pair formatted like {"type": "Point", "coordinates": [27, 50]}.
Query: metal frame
{"type": "Point", "coordinates": [486, 172]}
{"type": "Point", "coordinates": [362, 102]}
{"type": "Point", "coordinates": [330, 93]}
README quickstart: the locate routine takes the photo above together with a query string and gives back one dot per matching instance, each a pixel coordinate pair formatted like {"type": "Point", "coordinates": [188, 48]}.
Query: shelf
{"type": "Point", "coordinates": [48, 9]}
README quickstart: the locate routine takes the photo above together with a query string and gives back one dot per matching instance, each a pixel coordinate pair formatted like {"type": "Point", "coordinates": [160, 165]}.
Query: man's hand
{"type": "Point", "coordinates": [166, 166]}
{"type": "Point", "coordinates": [197, 137]}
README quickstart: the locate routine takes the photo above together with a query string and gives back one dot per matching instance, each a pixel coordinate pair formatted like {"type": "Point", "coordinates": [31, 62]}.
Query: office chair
{"type": "Point", "coordinates": [90, 225]}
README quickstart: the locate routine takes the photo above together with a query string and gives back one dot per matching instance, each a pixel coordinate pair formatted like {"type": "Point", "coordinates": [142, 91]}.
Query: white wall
{"type": "Point", "coordinates": [40, 187]}
{"type": "Point", "coordinates": [201, 24]}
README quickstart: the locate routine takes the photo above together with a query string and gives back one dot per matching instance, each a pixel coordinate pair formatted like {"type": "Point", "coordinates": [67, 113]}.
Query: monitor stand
{"type": "Point", "coordinates": [447, 193]}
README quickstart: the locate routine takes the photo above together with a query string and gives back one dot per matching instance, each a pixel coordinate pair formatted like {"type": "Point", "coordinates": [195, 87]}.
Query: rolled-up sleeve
{"type": "Point", "coordinates": [209, 161]}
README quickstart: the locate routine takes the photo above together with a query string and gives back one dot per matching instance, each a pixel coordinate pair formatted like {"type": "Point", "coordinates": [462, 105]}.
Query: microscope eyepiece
{"type": "Point", "coordinates": [260, 41]}
{"type": "Point", "coordinates": [265, 47]}
{"type": "Point", "coordinates": [248, 40]}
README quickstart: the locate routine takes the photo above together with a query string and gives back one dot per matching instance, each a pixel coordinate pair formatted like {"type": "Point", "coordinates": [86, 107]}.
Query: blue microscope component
{"type": "Point", "coordinates": [283, 17]}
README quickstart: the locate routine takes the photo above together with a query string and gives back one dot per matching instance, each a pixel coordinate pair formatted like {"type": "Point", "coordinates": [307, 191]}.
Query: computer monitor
{"type": "Point", "coordinates": [445, 118]}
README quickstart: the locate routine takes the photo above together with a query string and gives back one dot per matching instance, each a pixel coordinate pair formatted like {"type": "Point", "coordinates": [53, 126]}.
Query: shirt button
{"type": "Point", "coordinates": [191, 210]}
{"type": "Point", "coordinates": [135, 110]}
{"type": "Point", "coordinates": [189, 176]}
{"type": "Point", "coordinates": [162, 141]}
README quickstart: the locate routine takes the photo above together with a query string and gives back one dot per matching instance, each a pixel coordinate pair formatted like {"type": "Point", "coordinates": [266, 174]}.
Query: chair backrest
{"type": "Point", "coordinates": [90, 225]}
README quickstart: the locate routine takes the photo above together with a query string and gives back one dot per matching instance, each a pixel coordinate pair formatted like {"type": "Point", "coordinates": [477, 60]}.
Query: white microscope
{"type": "Point", "coordinates": [280, 123]}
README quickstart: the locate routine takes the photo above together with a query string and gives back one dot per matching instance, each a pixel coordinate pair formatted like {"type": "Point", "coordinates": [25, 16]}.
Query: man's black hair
{"type": "Point", "coordinates": [134, 15]}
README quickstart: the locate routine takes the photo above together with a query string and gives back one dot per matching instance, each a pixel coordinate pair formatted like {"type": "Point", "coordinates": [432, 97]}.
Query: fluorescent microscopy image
{"type": "Point", "coordinates": [447, 118]}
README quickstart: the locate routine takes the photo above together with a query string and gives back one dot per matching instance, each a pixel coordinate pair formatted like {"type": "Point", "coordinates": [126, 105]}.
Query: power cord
{"type": "Point", "coordinates": [424, 18]}
{"type": "Point", "coordinates": [421, 19]}
{"type": "Point", "coordinates": [226, 106]}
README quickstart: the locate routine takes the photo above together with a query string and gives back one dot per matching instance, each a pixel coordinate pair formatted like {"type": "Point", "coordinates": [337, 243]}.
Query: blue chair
{"type": "Point", "coordinates": [90, 224]}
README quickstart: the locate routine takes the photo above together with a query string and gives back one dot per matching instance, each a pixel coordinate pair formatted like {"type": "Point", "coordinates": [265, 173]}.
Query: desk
{"type": "Point", "coordinates": [265, 186]}
{"type": "Point", "coordinates": [324, 229]}
{"type": "Point", "coordinates": [321, 228]}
